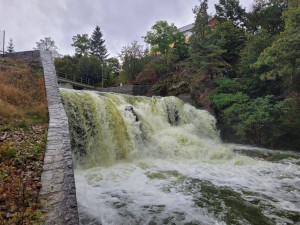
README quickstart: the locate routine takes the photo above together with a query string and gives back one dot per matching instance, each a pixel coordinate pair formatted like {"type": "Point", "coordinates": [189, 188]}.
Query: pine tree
{"type": "Point", "coordinates": [206, 56]}
{"type": "Point", "coordinates": [98, 48]}
{"type": "Point", "coordinates": [10, 47]}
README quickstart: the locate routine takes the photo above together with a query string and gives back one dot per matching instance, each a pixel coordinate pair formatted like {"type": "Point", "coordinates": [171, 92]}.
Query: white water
{"type": "Point", "coordinates": [159, 161]}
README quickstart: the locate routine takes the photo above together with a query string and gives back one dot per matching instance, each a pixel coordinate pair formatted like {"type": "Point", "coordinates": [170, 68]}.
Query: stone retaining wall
{"type": "Point", "coordinates": [128, 90]}
{"type": "Point", "coordinates": [120, 89]}
{"type": "Point", "coordinates": [29, 56]}
{"type": "Point", "coordinates": [58, 191]}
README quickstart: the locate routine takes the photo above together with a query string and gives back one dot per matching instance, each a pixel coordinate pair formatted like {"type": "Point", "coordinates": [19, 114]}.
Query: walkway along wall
{"type": "Point", "coordinates": [58, 191]}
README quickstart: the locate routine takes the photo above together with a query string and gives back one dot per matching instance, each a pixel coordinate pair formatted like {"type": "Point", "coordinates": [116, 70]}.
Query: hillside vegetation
{"type": "Point", "coordinates": [244, 69]}
{"type": "Point", "coordinates": [23, 132]}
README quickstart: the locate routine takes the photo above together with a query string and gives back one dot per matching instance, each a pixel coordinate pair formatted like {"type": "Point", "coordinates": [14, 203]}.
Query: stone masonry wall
{"type": "Point", "coordinates": [30, 56]}
{"type": "Point", "coordinates": [128, 90]}
{"type": "Point", "coordinates": [58, 191]}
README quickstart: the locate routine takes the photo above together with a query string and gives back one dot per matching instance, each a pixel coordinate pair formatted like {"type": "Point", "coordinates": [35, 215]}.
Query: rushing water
{"type": "Point", "coordinates": [157, 160]}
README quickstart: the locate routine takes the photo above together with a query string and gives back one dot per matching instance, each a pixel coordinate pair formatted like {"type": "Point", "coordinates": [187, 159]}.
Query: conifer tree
{"type": "Point", "coordinates": [10, 47]}
{"type": "Point", "coordinates": [97, 47]}
{"type": "Point", "coordinates": [206, 56]}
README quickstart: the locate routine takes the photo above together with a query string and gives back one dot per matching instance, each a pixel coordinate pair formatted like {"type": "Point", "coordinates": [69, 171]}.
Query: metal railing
{"type": "Point", "coordinates": [81, 80]}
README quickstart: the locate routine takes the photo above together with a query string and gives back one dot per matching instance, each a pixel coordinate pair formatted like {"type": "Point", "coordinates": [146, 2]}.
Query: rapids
{"type": "Point", "coordinates": [141, 160]}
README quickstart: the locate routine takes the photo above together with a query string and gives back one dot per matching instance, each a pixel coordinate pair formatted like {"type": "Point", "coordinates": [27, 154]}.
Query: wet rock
{"type": "Point", "coordinates": [130, 108]}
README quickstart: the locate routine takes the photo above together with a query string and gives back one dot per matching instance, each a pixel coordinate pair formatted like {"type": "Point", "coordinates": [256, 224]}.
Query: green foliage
{"type": "Point", "coordinates": [226, 85]}
{"type": "Point", "coordinates": [90, 67]}
{"type": "Point", "coordinates": [281, 156]}
{"type": "Point", "coordinates": [121, 78]}
{"type": "Point", "coordinates": [224, 100]}
{"type": "Point", "coordinates": [68, 65]}
{"type": "Point", "coordinates": [255, 45]}
{"type": "Point", "coordinates": [262, 120]}
{"type": "Point", "coordinates": [206, 57]}
{"type": "Point", "coordinates": [266, 15]}
{"type": "Point", "coordinates": [232, 40]}
{"type": "Point", "coordinates": [160, 37]}
{"type": "Point", "coordinates": [270, 16]}
{"type": "Point", "coordinates": [113, 65]}
{"type": "Point", "coordinates": [5, 128]}
{"type": "Point", "coordinates": [282, 59]}
{"type": "Point", "coordinates": [7, 151]}
{"type": "Point", "coordinates": [21, 124]}
{"type": "Point", "coordinates": [82, 44]}
{"type": "Point", "coordinates": [291, 17]}
{"type": "Point", "coordinates": [181, 47]}
{"type": "Point", "coordinates": [164, 64]}
{"type": "Point", "coordinates": [133, 58]}
{"type": "Point", "coordinates": [230, 10]}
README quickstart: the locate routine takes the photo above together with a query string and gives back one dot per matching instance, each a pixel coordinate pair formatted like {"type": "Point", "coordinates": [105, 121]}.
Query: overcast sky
{"type": "Point", "coordinates": [121, 21]}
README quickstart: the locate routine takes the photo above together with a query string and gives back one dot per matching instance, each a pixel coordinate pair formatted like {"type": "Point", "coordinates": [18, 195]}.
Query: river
{"type": "Point", "coordinates": [141, 160]}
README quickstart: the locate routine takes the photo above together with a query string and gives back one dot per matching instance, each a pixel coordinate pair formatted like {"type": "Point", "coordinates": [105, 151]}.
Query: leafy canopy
{"type": "Point", "coordinates": [81, 44]}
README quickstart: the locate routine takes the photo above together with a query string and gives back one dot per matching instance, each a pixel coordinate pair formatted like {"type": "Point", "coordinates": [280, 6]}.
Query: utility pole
{"type": "Point", "coordinates": [3, 42]}
{"type": "Point", "coordinates": [102, 75]}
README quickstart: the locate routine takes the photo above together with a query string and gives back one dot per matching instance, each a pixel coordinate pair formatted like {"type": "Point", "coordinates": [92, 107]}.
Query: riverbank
{"type": "Point", "coordinates": [23, 135]}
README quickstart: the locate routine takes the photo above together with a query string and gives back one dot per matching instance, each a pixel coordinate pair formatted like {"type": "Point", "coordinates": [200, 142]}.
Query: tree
{"type": "Point", "coordinates": [230, 10]}
{"type": "Point", "coordinates": [90, 68]}
{"type": "Point", "coordinates": [161, 37]}
{"type": "Point", "coordinates": [81, 44]}
{"type": "Point", "coordinates": [97, 47]}
{"type": "Point", "coordinates": [281, 61]}
{"type": "Point", "coordinates": [181, 47]}
{"type": "Point", "coordinates": [67, 65]}
{"type": "Point", "coordinates": [266, 15]}
{"type": "Point", "coordinates": [206, 56]}
{"type": "Point", "coordinates": [255, 45]}
{"type": "Point", "coordinates": [233, 39]}
{"type": "Point", "coordinates": [113, 65]}
{"type": "Point", "coordinates": [47, 44]}
{"type": "Point", "coordinates": [10, 47]}
{"type": "Point", "coordinates": [132, 59]}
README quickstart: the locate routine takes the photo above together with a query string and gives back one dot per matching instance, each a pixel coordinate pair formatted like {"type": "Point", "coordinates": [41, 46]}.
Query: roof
{"type": "Point", "coordinates": [186, 28]}
{"type": "Point", "coordinates": [189, 27]}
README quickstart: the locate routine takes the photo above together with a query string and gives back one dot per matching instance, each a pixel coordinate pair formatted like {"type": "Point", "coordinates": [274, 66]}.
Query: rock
{"type": "Point", "coordinates": [178, 86]}
{"type": "Point", "coordinates": [130, 108]}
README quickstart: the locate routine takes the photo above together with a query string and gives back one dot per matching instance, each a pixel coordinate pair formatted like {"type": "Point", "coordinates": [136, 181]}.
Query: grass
{"type": "Point", "coordinates": [23, 133]}
{"type": "Point", "coordinates": [22, 91]}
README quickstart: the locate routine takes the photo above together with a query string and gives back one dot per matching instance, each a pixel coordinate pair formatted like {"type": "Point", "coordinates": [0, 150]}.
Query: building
{"type": "Point", "coordinates": [187, 30]}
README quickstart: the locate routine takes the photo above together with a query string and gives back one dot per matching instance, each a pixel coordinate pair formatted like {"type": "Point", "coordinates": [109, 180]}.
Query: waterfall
{"type": "Point", "coordinates": [141, 160]}
{"type": "Point", "coordinates": [106, 128]}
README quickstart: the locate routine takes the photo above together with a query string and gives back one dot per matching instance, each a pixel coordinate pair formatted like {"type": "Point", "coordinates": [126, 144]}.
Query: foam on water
{"type": "Point", "coordinates": [157, 160]}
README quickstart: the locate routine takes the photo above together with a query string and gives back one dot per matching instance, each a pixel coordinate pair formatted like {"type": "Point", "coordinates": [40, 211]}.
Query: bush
{"type": "Point", "coordinates": [262, 121]}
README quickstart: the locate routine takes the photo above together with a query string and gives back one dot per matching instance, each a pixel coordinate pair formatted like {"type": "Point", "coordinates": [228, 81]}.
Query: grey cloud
{"type": "Point", "coordinates": [121, 22]}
